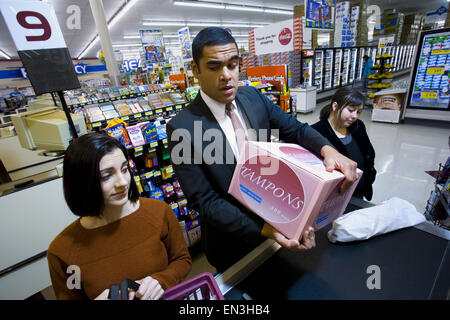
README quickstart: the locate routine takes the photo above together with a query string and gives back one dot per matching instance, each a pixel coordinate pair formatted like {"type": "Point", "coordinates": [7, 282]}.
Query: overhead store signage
{"type": "Point", "coordinates": [185, 43]}
{"type": "Point", "coordinates": [153, 44]}
{"type": "Point", "coordinates": [40, 44]}
{"type": "Point", "coordinates": [179, 80]}
{"type": "Point", "coordinates": [436, 16]}
{"type": "Point", "coordinates": [320, 14]}
{"type": "Point", "coordinates": [277, 37]}
{"type": "Point", "coordinates": [387, 41]}
{"type": "Point", "coordinates": [275, 75]}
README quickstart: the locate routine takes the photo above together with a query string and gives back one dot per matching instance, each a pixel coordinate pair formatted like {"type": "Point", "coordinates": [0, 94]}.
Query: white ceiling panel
{"type": "Point", "coordinates": [165, 10]}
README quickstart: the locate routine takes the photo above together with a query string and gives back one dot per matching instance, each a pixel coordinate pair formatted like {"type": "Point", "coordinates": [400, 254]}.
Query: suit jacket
{"type": "Point", "coordinates": [229, 230]}
{"type": "Point", "coordinates": [359, 133]}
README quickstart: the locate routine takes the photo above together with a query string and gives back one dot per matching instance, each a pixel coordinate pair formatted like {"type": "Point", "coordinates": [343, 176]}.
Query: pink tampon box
{"type": "Point", "coordinates": [288, 187]}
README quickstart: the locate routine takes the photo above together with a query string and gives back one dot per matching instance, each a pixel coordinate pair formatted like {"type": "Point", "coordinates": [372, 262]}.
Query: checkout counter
{"type": "Point", "coordinates": [414, 263]}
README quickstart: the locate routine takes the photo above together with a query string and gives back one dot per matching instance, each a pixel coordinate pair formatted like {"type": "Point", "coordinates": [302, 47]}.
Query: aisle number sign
{"type": "Point", "coordinates": [32, 24]}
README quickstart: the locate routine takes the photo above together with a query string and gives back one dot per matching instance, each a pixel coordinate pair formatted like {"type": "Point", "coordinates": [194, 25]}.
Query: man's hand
{"type": "Point", "coordinates": [332, 160]}
{"type": "Point", "coordinates": [308, 238]}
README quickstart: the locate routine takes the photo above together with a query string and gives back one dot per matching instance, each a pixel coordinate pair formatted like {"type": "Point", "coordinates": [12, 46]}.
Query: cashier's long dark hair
{"type": "Point", "coordinates": [81, 179]}
{"type": "Point", "coordinates": [343, 97]}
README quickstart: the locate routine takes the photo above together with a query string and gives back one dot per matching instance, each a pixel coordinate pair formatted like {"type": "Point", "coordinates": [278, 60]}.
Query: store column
{"type": "Point", "coordinates": [105, 40]}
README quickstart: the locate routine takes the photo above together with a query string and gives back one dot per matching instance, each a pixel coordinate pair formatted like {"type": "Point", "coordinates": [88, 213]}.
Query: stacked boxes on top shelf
{"type": "Point", "coordinates": [354, 25]}
{"type": "Point", "coordinates": [342, 31]}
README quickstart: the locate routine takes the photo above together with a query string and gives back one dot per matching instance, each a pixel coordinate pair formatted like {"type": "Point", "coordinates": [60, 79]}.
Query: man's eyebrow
{"type": "Point", "coordinates": [219, 62]}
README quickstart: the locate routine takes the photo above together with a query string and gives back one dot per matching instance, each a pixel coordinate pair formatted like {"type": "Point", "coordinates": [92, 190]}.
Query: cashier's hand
{"type": "Point", "coordinates": [335, 160]}
{"type": "Point", "coordinates": [149, 289]}
{"type": "Point", "coordinates": [308, 238]}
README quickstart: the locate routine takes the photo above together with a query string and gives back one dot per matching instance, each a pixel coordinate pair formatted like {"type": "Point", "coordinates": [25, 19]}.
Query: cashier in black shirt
{"type": "Point", "coordinates": [339, 123]}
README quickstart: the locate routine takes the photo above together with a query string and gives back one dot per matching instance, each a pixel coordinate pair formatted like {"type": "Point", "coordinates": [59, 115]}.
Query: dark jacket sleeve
{"type": "Point", "coordinates": [215, 208]}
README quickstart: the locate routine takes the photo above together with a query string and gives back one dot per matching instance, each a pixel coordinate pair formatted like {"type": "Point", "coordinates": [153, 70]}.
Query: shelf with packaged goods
{"type": "Point", "coordinates": [136, 117]}
{"type": "Point", "coordinates": [123, 97]}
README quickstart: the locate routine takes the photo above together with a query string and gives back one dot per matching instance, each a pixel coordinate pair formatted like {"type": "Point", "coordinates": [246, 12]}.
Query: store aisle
{"type": "Point", "coordinates": [404, 152]}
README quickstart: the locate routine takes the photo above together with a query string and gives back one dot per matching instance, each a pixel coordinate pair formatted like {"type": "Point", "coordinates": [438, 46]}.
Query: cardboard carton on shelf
{"type": "Point", "coordinates": [288, 187]}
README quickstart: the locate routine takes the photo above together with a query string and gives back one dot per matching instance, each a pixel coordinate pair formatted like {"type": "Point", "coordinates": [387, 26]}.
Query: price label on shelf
{"type": "Point", "coordinates": [137, 149]}
{"type": "Point", "coordinates": [435, 70]}
{"type": "Point", "coordinates": [138, 115]}
{"type": "Point", "coordinates": [148, 175]}
{"type": "Point", "coordinates": [178, 107]}
{"type": "Point", "coordinates": [125, 118]}
{"type": "Point", "coordinates": [169, 109]}
{"type": "Point", "coordinates": [159, 111]}
{"type": "Point", "coordinates": [157, 174]}
{"type": "Point", "coordinates": [154, 144]}
{"type": "Point", "coordinates": [435, 52]}
{"type": "Point", "coordinates": [164, 141]}
{"type": "Point", "coordinates": [169, 169]}
{"type": "Point", "coordinates": [148, 113]}
{"type": "Point", "coordinates": [97, 124]}
{"type": "Point", "coordinates": [428, 95]}
{"type": "Point", "coordinates": [138, 154]}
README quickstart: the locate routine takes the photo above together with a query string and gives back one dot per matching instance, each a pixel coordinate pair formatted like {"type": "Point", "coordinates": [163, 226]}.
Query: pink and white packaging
{"type": "Point", "coordinates": [288, 187]}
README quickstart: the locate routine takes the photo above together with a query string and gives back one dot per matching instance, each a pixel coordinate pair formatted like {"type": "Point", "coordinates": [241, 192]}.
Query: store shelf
{"type": "Point", "coordinates": [140, 115]}
{"type": "Point", "coordinates": [123, 97]}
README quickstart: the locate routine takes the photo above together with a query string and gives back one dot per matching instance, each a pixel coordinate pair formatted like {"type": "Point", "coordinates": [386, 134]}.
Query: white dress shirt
{"type": "Point", "coordinates": [218, 111]}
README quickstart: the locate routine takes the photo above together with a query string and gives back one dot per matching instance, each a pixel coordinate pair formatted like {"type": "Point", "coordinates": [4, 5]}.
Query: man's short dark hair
{"type": "Point", "coordinates": [210, 36]}
{"type": "Point", "coordinates": [81, 179]}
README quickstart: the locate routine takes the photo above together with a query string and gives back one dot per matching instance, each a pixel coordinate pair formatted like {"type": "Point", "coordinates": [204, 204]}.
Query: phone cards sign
{"type": "Point", "coordinates": [277, 37]}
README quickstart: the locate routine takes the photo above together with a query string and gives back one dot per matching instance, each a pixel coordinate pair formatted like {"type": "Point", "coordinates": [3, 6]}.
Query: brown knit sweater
{"type": "Point", "coordinates": [148, 242]}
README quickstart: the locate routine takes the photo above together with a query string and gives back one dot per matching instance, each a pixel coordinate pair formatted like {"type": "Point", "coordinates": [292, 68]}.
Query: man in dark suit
{"type": "Point", "coordinates": [229, 230]}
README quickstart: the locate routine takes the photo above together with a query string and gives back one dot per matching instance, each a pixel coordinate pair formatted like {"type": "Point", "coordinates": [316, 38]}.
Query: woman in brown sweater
{"type": "Point", "coordinates": [118, 234]}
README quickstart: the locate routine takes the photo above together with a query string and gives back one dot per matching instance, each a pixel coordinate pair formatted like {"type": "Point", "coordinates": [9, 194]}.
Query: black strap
{"type": "Point", "coordinates": [114, 292]}
{"type": "Point", "coordinates": [124, 285]}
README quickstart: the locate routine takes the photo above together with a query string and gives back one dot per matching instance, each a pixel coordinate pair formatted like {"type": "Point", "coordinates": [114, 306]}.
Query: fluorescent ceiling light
{"type": "Point", "coordinates": [127, 6]}
{"type": "Point", "coordinates": [199, 4]}
{"type": "Point", "coordinates": [116, 17]}
{"type": "Point", "coordinates": [164, 23]}
{"type": "Point", "coordinates": [3, 54]}
{"type": "Point", "coordinates": [203, 24]}
{"type": "Point", "coordinates": [243, 8]}
{"type": "Point", "coordinates": [90, 45]}
{"type": "Point", "coordinates": [286, 12]}
{"type": "Point", "coordinates": [237, 7]}
{"type": "Point", "coordinates": [200, 24]}
{"type": "Point", "coordinates": [131, 37]}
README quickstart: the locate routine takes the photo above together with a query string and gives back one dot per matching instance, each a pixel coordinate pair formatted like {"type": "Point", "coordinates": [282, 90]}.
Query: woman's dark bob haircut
{"type": "Point", "coordinates": [81, 179]}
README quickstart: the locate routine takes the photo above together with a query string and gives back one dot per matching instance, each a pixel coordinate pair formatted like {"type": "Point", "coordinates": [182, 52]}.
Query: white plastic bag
{"type": "Point", "coordinates": [390, 215]}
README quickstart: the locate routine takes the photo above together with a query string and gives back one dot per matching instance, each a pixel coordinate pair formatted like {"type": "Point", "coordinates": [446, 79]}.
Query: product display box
{"type": "Point", "coordinates": [288, 187]}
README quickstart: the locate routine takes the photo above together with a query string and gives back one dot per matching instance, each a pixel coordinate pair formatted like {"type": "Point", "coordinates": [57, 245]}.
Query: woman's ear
{"type": "Point", "coordinates": [334, 106]}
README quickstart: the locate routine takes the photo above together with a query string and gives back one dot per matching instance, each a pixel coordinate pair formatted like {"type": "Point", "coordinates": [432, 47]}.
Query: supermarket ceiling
{"type": "Point", "coordinates": [156, 13]}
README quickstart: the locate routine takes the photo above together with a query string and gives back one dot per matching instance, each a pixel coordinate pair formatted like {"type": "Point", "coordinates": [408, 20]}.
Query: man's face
{"type": "Point", "coordinates": [218, 72]}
